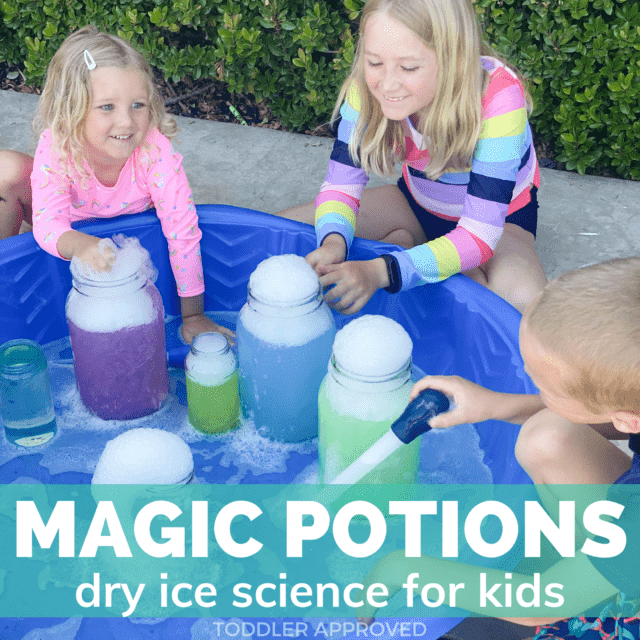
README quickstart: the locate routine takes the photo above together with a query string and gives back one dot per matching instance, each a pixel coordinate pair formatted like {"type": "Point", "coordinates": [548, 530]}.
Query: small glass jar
{"type": "Point", "coordinates": [25, 394]}
{"type": "Point", "coordinates": [212, 384]}
{"type": "Point", "coordinates": [117, 336]}
{"type": "Point", "coordinates": [283, 351]}
{"type": "Point", "coordinates": [356, 411]}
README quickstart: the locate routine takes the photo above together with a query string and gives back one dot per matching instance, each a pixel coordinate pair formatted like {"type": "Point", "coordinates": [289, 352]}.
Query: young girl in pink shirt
{"type": "Point", "coordinates": [104, 151]}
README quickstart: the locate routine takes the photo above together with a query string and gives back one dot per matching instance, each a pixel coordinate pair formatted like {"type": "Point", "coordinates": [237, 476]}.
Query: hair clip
{"type": "Point", "coordinates": [89, 61]}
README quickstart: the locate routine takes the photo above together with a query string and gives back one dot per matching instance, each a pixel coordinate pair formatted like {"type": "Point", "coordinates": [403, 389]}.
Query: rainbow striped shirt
{"type": "Point", "coordinates": [503, 170]}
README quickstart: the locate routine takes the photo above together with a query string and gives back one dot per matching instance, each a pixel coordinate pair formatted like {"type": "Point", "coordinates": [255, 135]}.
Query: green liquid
{"type": "Point", "coordinates": [344, 438]}
{"type": "Point", "coordinates": [213, 409]}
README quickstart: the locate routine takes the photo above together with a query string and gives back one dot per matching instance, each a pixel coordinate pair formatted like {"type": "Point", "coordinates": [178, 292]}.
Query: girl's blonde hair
{"type": "Point", "coordinates": [66, 97]}
{"type": "Point", "coordinates": [451, 124]}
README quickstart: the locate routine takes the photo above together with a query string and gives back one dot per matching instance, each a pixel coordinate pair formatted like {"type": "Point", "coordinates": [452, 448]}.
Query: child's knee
{"type": "Point", "coordinates": [401, 237]}
{"type": "Point", "coordinates": [15, 168]}
{"type": "Point", "coordinates": [542, 440]}
{"type": "Point", "coordinates": [523, 293]}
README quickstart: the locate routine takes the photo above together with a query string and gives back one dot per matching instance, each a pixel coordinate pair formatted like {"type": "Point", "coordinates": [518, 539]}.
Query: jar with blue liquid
{"type": "Point", "coordinates": [25, 394]}
{"type": "Point", "coordinates": [285, 334]}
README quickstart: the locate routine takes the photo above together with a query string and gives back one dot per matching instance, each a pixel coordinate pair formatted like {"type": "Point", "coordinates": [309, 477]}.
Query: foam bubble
{"type": "Point", "coordinates": [372, 346]}
{"type": "Point", "coordinates": [283, 279]}
{"type": "Point", "coordinates": [213, 360]}
{"type": "Point", "coordinates": [144, 456]}
{"type": "Point", "coordinates": [126, 305]}
{"type": "Point", "coordinates": [279, 285]}
{"type": "Point", "coordinates": [130, 257]}
{"type": "Point", "coordinates": [249, 451]}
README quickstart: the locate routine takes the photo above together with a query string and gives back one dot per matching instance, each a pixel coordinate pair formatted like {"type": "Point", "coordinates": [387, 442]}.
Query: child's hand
{"type": "Point", "coordinates": [332, 251]}
{"type": "Point", "coordinates": [195, 325]}
{"type": "Point", "coordinates": [99, 257]}
{"type": "Point", "coordinates": [355, 282]}
{"type": "Point", "coordinates": [473, 403]}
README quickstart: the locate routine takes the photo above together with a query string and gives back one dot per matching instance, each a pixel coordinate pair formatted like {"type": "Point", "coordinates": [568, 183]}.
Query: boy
{"type": "Point", "coordinates": [580, 342]}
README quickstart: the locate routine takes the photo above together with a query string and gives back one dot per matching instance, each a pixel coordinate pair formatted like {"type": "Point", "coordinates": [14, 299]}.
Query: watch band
{"type": "Point", "coordinates": [395, 282]}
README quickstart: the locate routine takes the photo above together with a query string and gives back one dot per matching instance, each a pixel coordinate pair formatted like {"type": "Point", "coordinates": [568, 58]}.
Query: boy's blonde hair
{"type": "Point", "coordinates": [590, 320]}
{"type": "Point", "coordinates": [453, 121]}
{"type": "Point", "coordinates": [66, 97]}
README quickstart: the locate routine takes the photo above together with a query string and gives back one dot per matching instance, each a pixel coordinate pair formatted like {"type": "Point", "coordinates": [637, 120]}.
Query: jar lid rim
{"type": "Point", "coordinates": [406, 366]}
{"type": "Point", "coordinates": [286, 303]}
{"type": "Point", "coordinates": [87, 280]}
{"type": "Point", "coordinates": [20, 355]}
{"type": "Point", "coordinates": [210, 342]}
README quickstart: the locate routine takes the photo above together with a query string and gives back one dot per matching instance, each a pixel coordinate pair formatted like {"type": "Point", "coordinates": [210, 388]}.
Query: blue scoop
{"type": "Point", "coordinates": [413, 422]}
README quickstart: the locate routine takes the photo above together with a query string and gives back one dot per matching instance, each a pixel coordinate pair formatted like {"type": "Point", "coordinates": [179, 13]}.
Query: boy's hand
{"type": "Point", "coordinates": [195, 325]}
{"type": "Point", "coordinates": [473, 403]}
{"type": "Point", "coordinates": [333, 250]}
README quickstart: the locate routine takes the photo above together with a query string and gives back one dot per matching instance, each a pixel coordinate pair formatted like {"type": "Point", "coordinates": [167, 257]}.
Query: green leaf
{"type": "Point", "coordinates": [567, 137]}
{"type": "Point", "coordinates": [50, 30]}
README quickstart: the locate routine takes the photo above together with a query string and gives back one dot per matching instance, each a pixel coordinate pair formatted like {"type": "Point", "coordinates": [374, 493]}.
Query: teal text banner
{"type": "Point", "coordinates": [259, 551]}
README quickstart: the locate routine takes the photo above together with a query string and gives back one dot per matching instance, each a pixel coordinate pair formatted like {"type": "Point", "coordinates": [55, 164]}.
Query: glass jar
{"type": "Point", "coordinates": [283, 351]}
{"type": "Point", "coordinates": [356, 411]}
{"type": "Point", "coordinates": [116, 325]}
{"type": "Point", "coordinates": [25, 394]}
{"type": "Point", "coordinates": [212, 384]}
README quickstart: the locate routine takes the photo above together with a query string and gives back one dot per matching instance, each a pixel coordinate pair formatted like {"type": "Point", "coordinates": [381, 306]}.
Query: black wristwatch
{"type": "Point", "coordinates": [395, 281]}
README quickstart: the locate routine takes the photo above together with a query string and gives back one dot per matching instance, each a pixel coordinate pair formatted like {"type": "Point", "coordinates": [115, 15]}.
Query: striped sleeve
{"type": "Point", "coordinates": [500, 156]}
{"type": "Point", "coordinates": [339, 198]}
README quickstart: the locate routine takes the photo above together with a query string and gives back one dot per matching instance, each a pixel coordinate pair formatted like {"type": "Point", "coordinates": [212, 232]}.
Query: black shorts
{"type": "Point", "coordinates": [435, 227]}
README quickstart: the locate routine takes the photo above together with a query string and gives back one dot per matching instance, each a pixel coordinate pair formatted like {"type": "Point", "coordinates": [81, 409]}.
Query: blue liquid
{"type": "Point", "coordinates": [279, 385]}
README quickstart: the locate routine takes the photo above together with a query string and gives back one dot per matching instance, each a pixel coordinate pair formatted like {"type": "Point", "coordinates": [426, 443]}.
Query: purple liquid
{"type": "Point", "coordinates": [122, 374]}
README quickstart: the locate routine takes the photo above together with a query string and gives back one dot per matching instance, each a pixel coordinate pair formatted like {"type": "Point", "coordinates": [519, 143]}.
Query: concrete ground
{"type": "Point", "coordinates": [582, 219]}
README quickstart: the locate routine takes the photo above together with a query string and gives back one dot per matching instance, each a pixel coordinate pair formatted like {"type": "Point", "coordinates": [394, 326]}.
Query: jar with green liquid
{"type": "Point", "coordinates": [211, 371]}
{"type": "Point", "coordinates": [356, 410]}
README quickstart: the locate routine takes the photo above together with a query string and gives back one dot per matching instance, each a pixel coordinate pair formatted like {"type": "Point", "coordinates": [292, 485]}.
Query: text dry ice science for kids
{"type": "Point", "coordinates": [280, 551]}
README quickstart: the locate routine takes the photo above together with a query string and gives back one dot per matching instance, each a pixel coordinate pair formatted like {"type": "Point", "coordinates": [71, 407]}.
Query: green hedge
{"type": "Point", "coordinates": [582, 57]}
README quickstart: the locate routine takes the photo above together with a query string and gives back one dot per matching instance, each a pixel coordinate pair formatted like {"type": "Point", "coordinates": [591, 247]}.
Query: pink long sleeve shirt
{"type": "Point", "coordinates": [152, 177]}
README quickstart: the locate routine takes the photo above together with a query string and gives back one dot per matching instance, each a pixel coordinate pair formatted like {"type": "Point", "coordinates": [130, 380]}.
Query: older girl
{"type": "Point", "coordinates": [421, 92]}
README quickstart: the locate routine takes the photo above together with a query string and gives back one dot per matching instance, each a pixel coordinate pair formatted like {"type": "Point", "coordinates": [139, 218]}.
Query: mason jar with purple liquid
{"type": "Point", "coordinates": [116, 326]}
